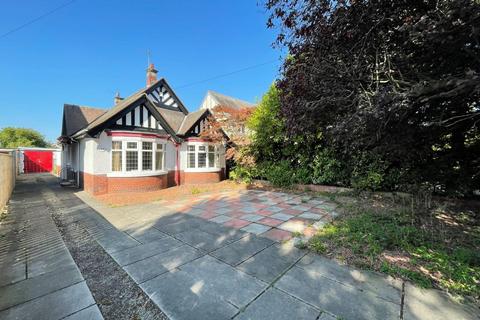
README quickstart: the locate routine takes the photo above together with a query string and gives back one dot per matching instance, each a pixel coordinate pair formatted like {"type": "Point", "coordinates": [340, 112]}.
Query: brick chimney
{"type": "Point", "coordinates": [117, 98]}
{"type": "Point", "coordinates": [151, 75]}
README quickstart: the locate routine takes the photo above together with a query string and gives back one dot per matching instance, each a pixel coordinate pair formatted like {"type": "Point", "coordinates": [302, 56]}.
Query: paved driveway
{"type": "Point", "coordinates": [222, 256]}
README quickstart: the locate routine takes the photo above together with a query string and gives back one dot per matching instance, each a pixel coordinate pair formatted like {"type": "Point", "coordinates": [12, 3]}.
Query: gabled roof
{"type": "Point", "coordinates": [213, 99]}
{"type": "Point", "coordinates": [190, 120]}
{"type": "Point", "coordinates": [76, 117]}
{"type": "Point", "coordinates": [175, 120]}
{"type": "Point", "coordinates": [119, 107]}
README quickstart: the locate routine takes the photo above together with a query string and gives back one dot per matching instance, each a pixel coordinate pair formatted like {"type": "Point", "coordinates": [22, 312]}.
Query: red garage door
{"type": "Point", "coordinates": [37, 161]}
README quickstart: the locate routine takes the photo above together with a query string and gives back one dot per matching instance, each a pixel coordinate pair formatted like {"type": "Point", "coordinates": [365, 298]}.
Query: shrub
{"type": "Point", "coordinates": [326, 169]}
{"type": "Point", "coordinates": [279, 173]}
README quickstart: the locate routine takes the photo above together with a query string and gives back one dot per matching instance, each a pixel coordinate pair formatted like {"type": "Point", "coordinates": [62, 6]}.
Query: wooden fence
{"type": "Point", "coordinates": [7, 176]}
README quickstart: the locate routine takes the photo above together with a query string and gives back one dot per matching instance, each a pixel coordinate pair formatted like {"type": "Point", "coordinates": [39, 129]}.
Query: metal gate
{"type": "Point", "coordinates": [37, 161]}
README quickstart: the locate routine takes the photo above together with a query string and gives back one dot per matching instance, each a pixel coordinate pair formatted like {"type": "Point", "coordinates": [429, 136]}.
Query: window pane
{"type": "Point", "coordinates": [147, 160]}
{"type": "Point", "coordinates": [159, 146]}
{"type": "Point", "coordinates": [191, 148]}
{"type": "Point", "coordinates": [202, 160]}
{"type": "Point", "coordinates": [217, 160]}
{"type": "Point", "coordinates": [132, 160]}
{"type": "Point", "coordinates": [159, 160]}
{"type": "Point", "coordinates": [211, 148]}
{"type": "Point", "coordinates": [201, 148]}
{"type": "Point", "coordinates": [116, 160]}
{"type": "Point", "coordinates": [117, 145]}
{"type": "Point", "coordinates": [191, 160]}
{"type": "Point", "coordinates": [131, 145]}
{"type": "Point", "coordinates": [147, 145]}
{"type": "Point", "coordinates": [211, 159]}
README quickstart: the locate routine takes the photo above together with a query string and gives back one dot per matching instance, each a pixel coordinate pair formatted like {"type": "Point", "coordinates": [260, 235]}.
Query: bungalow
{"type": "Point", "coordinates": [145, 142]}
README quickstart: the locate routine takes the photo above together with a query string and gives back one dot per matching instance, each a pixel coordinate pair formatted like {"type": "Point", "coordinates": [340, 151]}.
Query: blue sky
{"type": "Point", "coordinates": [87, 51]}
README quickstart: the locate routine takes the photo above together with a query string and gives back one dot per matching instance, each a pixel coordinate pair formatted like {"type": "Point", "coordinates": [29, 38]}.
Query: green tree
{"type": "Point", "coordinates": [22, 137]}
{"type": "Point", "coordinates": [393, 86]}
{"type": "Point", "coordinates": [268, 127]}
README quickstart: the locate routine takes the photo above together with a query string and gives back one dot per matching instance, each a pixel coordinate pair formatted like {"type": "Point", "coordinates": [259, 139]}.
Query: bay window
{"type": "Point", "coordinates": [203, 156]}
{"type": "Point", "coordinates": [137, 157]}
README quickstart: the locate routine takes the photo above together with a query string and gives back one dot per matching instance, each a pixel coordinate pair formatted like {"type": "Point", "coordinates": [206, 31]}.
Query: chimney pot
{"type": "Point", "coordinates": [151, 75]}
{"type": "Point", "coordinates": [117, 98]}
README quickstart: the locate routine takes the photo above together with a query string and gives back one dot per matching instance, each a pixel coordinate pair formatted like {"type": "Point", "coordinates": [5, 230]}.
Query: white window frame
{"type": "Point", "coordinates": [139, 172]}
{"type": "Point", "coordinates": [217, 166]}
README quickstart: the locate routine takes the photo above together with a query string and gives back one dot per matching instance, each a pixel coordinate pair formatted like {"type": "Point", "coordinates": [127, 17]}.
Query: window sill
{"type": "Point", "coordinates": [132, 174]}
{"type": "Point", "coordinates": [203, 170]}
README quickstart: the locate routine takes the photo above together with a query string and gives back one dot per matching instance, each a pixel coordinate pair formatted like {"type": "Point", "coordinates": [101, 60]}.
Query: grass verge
{"type": "Point", "coordinates": [436, 247]}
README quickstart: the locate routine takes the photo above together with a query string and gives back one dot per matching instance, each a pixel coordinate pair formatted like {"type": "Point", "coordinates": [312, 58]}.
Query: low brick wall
{"type": "Point", "coordinates": [7, 177]}
{"type": "Point", "coordinates": [101, 184]}
{"type": "Point", "coordinates": [201, 177]}
{"type": "Point", "coordinates": [136, 184]}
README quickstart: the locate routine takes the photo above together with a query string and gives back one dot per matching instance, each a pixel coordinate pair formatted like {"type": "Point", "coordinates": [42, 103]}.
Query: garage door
{"type": "Point", "coordinates": [37, 161]}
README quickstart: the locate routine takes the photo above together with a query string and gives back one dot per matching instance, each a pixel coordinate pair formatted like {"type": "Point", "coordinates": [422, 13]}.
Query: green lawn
{"type": "Point", "coordinates": [438, 247]}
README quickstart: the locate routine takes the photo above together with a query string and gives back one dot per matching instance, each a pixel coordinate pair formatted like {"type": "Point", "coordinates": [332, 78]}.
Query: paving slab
{"type": "Point", "coordinates": [239, 251]}
{"type": "Point", "coordinates": [344, 301]}
{"type": "Point", "coordinates": [281, 216]}
{"type": "Point", "coordinates": [151, 267]}
{"type": "Point", "coordinates": [90, 313]}
{"type": "Point", "coordinates": [144, 232]}
{"type": "Point", "coordinates": [204, 241]}
{"type": "Point", "coordinates": [226, 233]}
{"type": "Point", "coordinates": [387, 288]}
{"type": "Point", "coordinates": [220, 219]}
{"type": "Point", "coordinates": [256, 228]}
{"type": "Point", "coordinates": [12, 266]}
{"type": "Point", "coordinates": [53, 306]}
{"type": "Point", "coordinates": [143, 251]}
{"type": "Point", "coordinates": [203, 289]}
{"type": "Point", "coordinates": [424, 304]}
{"type": "Point", "coordinates": [117, 241]}
{"type": "Point", "coordinates": [277, 235]}
{"type": "Point", "coordinates": [275, 304]}
{"type": "Point", "coordinates": [32, 288]}
{"type": "Point", "coordinates": [45, 261]}
{"type": "Point", "coordinates": [268, 264]}
{"type": "Point", "coordinates": [252, 217]}
{"type": "Point", "coordinates": [180, 226]}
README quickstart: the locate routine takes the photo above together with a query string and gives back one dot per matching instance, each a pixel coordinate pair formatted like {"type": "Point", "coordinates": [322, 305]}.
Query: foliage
{"type": "Point", "coordinates": [227, 124]}
{"type": "Point", "coordinates": [394, 80]}
{"type": "Point", "coordinates": [268, 130]}
{"type": "Point", "coordinates": [326, 169]}
{"type": "Point", "coordinates": [21, 137]}
{"type": "Point", "coordinates": [429, 258]}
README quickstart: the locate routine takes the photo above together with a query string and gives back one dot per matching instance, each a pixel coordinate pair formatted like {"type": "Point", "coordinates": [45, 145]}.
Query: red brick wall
{"type": "Point", "coordinates": [94, 183]}
{"type": "Point", "coordinates": [101, 184]}
{"type": "Point", "coordinates": [135, 184]}
{"type": "Point", "coordinates": [200, 177]}
{"type": "Point", "coordinates": [171, 179]}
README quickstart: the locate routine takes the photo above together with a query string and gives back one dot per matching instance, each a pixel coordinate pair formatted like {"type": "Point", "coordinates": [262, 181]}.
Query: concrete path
{"type": "Point", "coordinates": [38, 277]}
{"type": "Point", "coordinates": [195, 267]}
